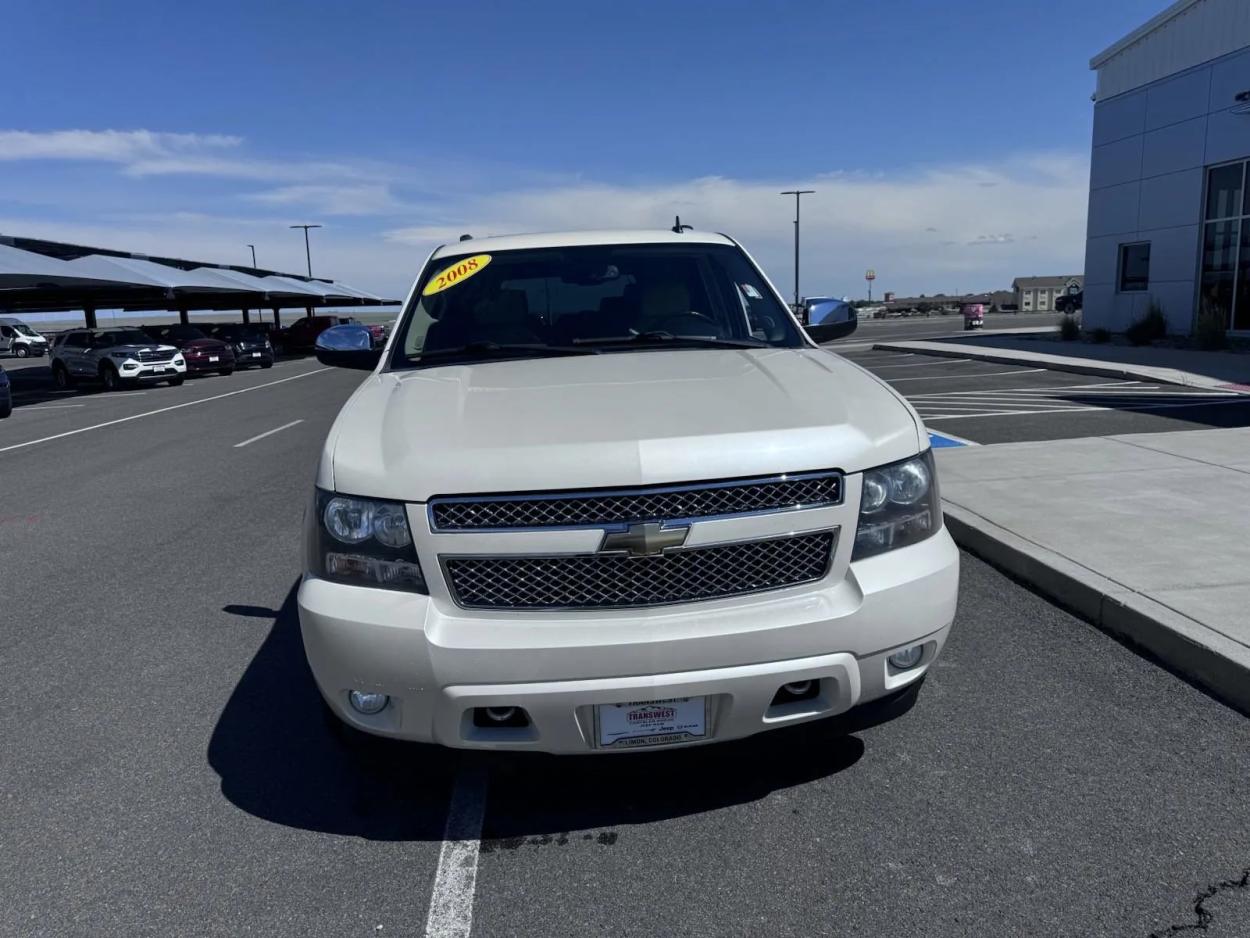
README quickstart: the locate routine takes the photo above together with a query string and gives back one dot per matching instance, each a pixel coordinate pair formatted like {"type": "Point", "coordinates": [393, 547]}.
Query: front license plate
{"type": "Point", "coordinates": [651, 722]}
{"type": "Point", "coordinates": [214, 358]}
{"type": "Point", "coordinates": [256, 354]}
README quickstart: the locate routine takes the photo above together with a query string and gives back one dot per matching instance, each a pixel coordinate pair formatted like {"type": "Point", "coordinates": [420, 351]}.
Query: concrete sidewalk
{"type": "Point", "coordinates": [1189, 367]}
{"type": "Point", "coordinates": [1146, 535]}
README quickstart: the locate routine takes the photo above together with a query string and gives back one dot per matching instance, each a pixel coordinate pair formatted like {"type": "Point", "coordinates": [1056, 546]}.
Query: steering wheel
{"type": "Point", "coordinates": [688, 323]}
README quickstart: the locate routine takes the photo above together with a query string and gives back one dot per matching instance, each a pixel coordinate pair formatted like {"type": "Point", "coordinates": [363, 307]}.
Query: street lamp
{"type": "Point", "coordinates": [797, 193]}
{"type": "Point", "coordinates": [307, 253]}
{"type": "Point", "coordinates": [253, 247]}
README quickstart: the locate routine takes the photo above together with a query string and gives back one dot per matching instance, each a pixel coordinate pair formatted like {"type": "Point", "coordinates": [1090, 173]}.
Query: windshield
{"type": "Point", "coordinates": [25, 329]}
{"type": "Point", "coordinates": [588, 299]}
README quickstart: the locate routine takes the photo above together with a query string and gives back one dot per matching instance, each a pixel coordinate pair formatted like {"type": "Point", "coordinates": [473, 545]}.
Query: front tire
{"type": "Point", "coordinates": [6, 410]}
{"type": "Point", "coordinates": [109, 377]}
{"type": "Point", "coordinates": [21, 351]}
{"type": "Point", "coordinates": [266, 364]}
{"type": "Point", "coordinates": [176, 382]}
{"type": "Point", "coordinates": [61, 377]}
{"type": "Point", "coordinates": [226, 372]}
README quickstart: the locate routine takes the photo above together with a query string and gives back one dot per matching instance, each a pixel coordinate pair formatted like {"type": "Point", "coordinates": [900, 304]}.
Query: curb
{"type": "Point", "coordinates": [1060, 363]}
{"type": "Point", "coordinates": [1201, 655]}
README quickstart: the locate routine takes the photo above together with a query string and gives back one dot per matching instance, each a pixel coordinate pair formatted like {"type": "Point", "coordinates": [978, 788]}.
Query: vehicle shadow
{"type": "Point", "coordinates": [281, 759]}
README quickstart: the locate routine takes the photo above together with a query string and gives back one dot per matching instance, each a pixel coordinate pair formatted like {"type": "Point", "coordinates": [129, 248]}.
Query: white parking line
{"type": "Point", "coordinates": [992, 374]}
{"type": "Point", "coordinates": [159, 410]}
{"type": "Point", "coordinates": [929, 364]}
{"type": "Point", "coordinates": [261, 436]}
{"type": "Point", "coordinates": [451, 903]}
{"type": "Point", "coordinates": [47, 407]}
{"type": "Point", "coordinates": [1077, 410]}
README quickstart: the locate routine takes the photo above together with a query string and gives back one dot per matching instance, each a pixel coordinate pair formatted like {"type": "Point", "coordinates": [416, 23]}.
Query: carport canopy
{"type": "Point", "coordinates": [53, 276]}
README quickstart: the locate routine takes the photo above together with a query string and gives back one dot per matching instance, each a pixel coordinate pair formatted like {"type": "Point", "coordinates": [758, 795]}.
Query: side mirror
{"type": "Point", "coordinates": [347, 346]}
{"type": "Point", "coordinates": [835, 323]}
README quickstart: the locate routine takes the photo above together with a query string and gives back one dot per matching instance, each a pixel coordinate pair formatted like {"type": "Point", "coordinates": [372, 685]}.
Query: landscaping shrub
{"type": "Point", "coordinates": [1069, 331]}
{"type": "Point", "coordinates": [1210, 330]}
{"type": "Point", "coordinates": [1150, 328]}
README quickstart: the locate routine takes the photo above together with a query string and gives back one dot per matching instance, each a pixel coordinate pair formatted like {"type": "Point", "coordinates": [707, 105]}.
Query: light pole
{"type": "Point", "coordinates": [797, 193]}
{"type": "Point", "coordinates": [307, 253]}
{"type": "Point", "coordinates": [253, 247]}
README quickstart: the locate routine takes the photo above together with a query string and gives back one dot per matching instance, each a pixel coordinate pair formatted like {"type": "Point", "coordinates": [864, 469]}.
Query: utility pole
{"type": "Point", "coordinates": [253, 247]}
{"type": "Point", "coordinates": [307, 253]}
{"type": "Point", "coordinates": [797, 193]}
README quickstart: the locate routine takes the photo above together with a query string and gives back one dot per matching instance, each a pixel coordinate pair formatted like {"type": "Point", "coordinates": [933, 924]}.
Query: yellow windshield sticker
{"type": "Point", "coordinates": [457, 272]}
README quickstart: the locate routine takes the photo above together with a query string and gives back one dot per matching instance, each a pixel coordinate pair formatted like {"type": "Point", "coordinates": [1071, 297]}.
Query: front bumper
{"type": "Point", "coordinates": [438, 662]}
{"type": "Point", "coordinates": [253, 357]}
{"type": "Point", "coordinates": [153, 371]}
{"type": "Point", "coordinates": [202, 364]}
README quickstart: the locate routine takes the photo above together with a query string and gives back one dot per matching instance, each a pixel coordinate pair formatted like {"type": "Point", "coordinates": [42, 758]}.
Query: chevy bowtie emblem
{"type": "Point", "coordinates": [644, 540]}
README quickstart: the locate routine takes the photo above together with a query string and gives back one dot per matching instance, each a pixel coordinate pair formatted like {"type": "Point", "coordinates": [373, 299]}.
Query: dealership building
{"type": "Point", "coordinates": [1169, 202]}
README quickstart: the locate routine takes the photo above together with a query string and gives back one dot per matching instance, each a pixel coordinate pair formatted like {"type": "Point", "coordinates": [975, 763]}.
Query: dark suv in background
{"type": "Point", "coordinates": [202, 353]}
{"type": "Point", "coordinates": [250, 342]}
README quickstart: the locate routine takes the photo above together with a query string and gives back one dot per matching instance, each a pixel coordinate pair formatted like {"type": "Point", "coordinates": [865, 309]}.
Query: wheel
{"type": "Point", "coordinates": [226, 372]}
{"type": "Point", "coordinates": [5, 410]}
{"type": "Point", "coordinates": [21, 351]}
{"type": "Point", "coordinates": [61, 376]}
{"type": "Point", "coordinates": [111, 379]}
{"type": "Point", "coordinates": [266, 364]}
{"type": "Point", "coordinates": [176, 382]}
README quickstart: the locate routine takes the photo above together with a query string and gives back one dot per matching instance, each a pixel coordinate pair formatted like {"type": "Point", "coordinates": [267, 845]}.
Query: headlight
{"type": "Point", "coordinates": [364, 542]}
{"type": "Point", "coordinates": [898, 506]}
{"type": "Point", "coordinates": [121, 355]}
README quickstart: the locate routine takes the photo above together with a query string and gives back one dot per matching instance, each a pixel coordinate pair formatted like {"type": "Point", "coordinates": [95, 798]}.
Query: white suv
{"type": "Point", "coordinates": [117, 358]}
{"type": "Point", "coordinates": [601, 492]}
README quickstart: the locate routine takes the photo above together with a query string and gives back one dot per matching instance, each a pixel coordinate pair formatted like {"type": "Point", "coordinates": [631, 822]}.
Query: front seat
{"type": "Point", "coordinates": [503, 319]}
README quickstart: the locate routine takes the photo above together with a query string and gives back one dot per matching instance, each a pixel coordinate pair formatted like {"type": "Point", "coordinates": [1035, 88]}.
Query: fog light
{"type": "Point", "coordinates": [501, 714]}
{"type": "Point", "coordinates": [367, 703]}
{"type": "Point", "coordinates": [798, 688]}
{"type": "Point", "coordinates": [907, 658]}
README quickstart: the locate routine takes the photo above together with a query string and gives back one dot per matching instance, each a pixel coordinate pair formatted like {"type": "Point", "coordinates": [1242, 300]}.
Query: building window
{"type": "Point", "coordinates": [1134, 267]}
{"type": "Point", "coordinates": [1225, 281]}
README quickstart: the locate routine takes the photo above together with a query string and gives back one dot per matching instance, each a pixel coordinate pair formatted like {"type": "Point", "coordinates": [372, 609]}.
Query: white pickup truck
{"type": "Point", "coordinates": [601, 492]}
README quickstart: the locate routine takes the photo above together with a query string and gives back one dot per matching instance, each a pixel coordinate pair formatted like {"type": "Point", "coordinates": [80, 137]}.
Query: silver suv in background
{"type": "Point", "coordinates": [117, 358]}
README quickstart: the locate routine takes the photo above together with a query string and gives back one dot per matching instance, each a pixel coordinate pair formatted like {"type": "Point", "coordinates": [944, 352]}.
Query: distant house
{"type": "Point", "coordinates": [1038, 294]}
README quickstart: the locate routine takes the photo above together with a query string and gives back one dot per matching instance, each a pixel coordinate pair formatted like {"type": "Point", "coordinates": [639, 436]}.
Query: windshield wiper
{"type": "Point", "coordinates": [661, 338]}
{"type": "Point", "coordinates": [476, 351]}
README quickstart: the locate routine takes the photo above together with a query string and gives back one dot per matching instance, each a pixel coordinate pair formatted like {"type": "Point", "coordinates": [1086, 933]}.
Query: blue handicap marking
{"type": "Point", "coordinates": [937, 441]}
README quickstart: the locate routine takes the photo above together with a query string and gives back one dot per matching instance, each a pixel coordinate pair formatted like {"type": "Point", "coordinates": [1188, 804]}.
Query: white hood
{"type": "Point", "coordinates": [617, 419]}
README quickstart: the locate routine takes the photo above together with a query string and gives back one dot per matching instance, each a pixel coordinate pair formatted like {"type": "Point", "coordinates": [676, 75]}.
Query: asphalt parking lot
{"type": "Point", "coordinates": [167, 769]}
{"type": "Point", "coordinates": [983, 402]}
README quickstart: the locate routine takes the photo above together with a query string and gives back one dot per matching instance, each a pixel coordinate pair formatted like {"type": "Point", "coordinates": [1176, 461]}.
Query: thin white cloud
{"type": "Point", "coordinates": [112, 146]}
{"type": "Point", "coordinates": [362, 199]}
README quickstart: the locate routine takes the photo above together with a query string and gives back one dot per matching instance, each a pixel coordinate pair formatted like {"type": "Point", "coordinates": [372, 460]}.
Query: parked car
{"type": "Point", "coordinates": [117, 358]}
{"type": "Point", "coordinates": [6, 395]}
{"type": "Point", "coordinates": [302, 334]}
{"type": "Point", "coordinates": [19, 339]}
{"type": "Point", "coordinates": [974, 315]}
{"type": "Point", "coordinates": [1070, 302]}
{"type": "Point", "coordinates": [603, 493]}
{"type": "Point", "coordinates": [251, 344]}
{"type": "Point", "coordinates": [202, 353]}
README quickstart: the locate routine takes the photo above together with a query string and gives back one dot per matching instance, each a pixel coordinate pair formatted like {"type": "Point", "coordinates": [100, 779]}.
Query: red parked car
{"type": "Point", "coordinates": [202, 353]}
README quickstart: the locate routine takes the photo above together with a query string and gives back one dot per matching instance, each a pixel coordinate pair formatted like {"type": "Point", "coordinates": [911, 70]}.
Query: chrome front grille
{"type": "Point", "coordinates": [599, 581]}
{"type": "Point", "coordinates": [597, 508]}
{"type": "Point", "coordinates": [154, 355]}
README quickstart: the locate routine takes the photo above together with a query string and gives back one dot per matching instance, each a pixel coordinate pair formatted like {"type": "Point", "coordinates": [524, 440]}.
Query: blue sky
{"type": "Point", "coordinates": [948, 142]}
